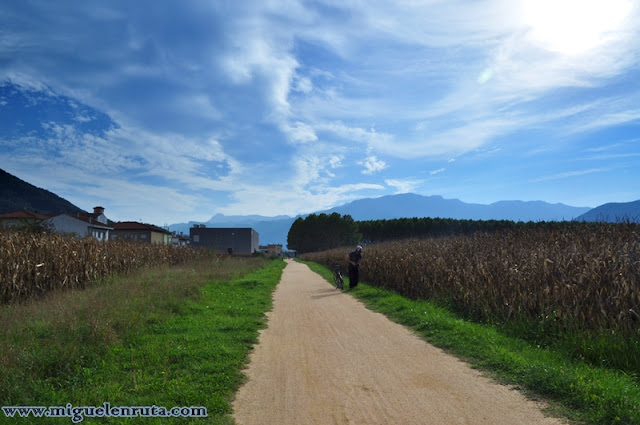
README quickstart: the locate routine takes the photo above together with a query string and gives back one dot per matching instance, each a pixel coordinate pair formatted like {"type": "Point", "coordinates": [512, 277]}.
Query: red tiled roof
{"type": "Point", "coordinates": [23, 215]}
{"type": "Point", "coordinates": [134, 225]}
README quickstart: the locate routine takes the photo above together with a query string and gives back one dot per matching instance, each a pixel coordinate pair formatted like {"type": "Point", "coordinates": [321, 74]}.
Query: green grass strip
{"type": "Point", "coordinates": [191, 356]}
{"type": "Point", "coordinates": [194, 359]}
{"type": "Point", "coordinates": [586, 393]}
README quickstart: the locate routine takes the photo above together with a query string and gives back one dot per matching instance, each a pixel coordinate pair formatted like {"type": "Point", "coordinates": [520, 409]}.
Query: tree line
{"type": "Point", "coordinates": [321, 232]}
{"type": "Point", "coordinates": [318, 232]}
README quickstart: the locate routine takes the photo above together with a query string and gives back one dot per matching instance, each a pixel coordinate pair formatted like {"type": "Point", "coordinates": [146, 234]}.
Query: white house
{"type": "Point", "coordinates": [95, 224]}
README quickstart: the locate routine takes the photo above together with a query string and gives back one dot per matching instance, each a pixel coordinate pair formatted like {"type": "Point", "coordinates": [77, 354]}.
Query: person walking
{"type": "Point", "coordinates": [354, 258]}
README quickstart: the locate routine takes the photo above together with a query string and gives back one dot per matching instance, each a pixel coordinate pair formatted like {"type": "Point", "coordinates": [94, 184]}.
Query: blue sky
{"type": "Point", "coordinates": [172, 111]}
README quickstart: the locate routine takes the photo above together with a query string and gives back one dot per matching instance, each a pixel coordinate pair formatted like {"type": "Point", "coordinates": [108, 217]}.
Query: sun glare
{"type": "Point", "coordinates": [573, 27]}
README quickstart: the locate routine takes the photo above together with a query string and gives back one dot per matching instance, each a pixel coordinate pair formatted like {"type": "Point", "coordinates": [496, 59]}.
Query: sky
{"type": "Point", "coordinates": [165, 112]}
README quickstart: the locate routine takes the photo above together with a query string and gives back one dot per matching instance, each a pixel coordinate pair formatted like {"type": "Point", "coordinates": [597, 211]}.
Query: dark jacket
{"type": "Point", "coordinates": [355, 256]}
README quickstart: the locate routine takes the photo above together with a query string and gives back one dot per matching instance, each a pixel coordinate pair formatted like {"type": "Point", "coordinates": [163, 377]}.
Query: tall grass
{"type": "Point", "coordinates": [34, 263]}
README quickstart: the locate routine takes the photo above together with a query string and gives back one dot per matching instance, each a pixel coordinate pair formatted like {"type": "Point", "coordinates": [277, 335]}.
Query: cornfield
{"type": "Point", "coordinates": [32, 264]}
{"type": "Point", "coordinates": [583, 277]}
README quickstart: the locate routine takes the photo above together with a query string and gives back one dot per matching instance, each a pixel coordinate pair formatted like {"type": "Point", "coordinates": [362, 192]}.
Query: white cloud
{"type": "Point", "coordinates": [299, 132]}
{"type": "Point", "coordinates": [371, 137]}
{"type": "Point", "coordinates": [335, 161]}
{"type": "Point", "coordinates": [403, 186]}
{"type": "Point", "coordinates": [450, 141]}
{"type": "Point", "coordinates": [257, 199]}
{"type": "Point", "coordinates": [372, 165]}
{"type": "Point", "coordinates": [434, 172]}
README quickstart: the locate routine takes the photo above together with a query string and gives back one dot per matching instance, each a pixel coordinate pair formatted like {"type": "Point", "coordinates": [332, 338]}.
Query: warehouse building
{"type": "Point", "coordinates": [236, 240]}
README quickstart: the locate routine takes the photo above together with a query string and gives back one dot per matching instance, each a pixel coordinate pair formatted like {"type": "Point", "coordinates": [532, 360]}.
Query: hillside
{"type": "Point", "coordinates": [16, 194]}
{"type": "Point", "coordinates": [614, 212]}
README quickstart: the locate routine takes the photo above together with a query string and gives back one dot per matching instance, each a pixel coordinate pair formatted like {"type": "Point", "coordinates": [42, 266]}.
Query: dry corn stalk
{"type": "Point", "coordinates": [31, 264]}
{"type": "Point", "coordinates": [579, 276]}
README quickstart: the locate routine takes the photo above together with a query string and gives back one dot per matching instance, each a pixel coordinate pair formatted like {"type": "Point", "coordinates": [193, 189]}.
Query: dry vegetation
{"type": "Point", "coordinates": [578, 277]}
{"type": "Point", "coordinates": [35, 263]}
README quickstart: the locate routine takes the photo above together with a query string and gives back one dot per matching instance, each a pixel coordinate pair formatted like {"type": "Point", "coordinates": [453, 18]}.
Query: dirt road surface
{"type": "Point", "coordinates": [325, 359]}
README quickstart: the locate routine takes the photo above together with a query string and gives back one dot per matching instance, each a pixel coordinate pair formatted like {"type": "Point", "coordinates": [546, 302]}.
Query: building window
{"type": "Point", "coordinates": [196, 238]}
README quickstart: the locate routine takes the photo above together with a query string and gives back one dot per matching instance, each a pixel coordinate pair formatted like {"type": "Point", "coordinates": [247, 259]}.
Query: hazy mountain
{"type": "Point", "coordinates": [412, 205]}
{"type": "Point", "coordinates": [16, 194]}
{"type": "Point", "coordinates": [275, 229]}
{"type": "Point", "coordinates": [613, 212]}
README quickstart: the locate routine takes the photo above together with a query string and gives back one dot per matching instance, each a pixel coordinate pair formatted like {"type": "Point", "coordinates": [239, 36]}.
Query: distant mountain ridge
{"type": "Point", "coordinates": [16, 194]}
{"type": "Point", "coordinates": [614, 211]}
{"type": "Point", "coordinates": [412, 205]}
{"type": "Point", "coordinates": [275, 229]}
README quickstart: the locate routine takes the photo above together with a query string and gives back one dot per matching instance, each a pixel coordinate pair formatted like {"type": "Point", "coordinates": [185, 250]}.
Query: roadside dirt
{"type": "Point", "coordinates": [325, 359]}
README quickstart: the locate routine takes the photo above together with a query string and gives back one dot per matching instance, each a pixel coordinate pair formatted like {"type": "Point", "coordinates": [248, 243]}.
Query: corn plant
{"type": "Point", "coordinates": [584, 277]}
{"type": "Point", "coordinates": [35, 263]}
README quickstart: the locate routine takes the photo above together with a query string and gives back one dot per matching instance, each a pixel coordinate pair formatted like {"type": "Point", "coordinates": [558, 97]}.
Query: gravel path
{"type": "Point", "coordinates": [325, 359]}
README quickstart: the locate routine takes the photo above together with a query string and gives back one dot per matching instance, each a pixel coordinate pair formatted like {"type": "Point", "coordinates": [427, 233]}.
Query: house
{"type": "Point", "coordinates": [97, 215]}
{"type": "Point", "coordinates": [21, 218]}
{"type": "Point", "coordinates": [140, 232]}
{"type": "Point", "coordinates": [93, 224]}
{"type": "Point", "coordinates": [271, 249]}
{"type": "Point", "coordinates": [179, 239]}
{"type": "Point", "coordinates": [79, 225]}
{"type": "Point", "coordinates": [274, 249]}
{"type": "Point", "coordinates": [235, 240]}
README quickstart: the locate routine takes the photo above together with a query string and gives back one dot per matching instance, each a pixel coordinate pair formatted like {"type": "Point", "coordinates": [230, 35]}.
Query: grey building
{"type": "Point", "coordinates": [239, 240]}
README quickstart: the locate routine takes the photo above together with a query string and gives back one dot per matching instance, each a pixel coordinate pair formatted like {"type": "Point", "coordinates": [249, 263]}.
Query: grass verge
{"type": "Point", "coordinates": [173, 337]}
{"type": "Point", "coordinates": [586, 393]}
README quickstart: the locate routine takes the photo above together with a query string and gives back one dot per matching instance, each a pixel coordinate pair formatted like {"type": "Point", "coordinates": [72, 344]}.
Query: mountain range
{"type": "Point", "coordinates": [16, 194]}
{"type": "Point", "coordinates": [275, 229]}
{"type": "Point", "coordinates": [412, 205]}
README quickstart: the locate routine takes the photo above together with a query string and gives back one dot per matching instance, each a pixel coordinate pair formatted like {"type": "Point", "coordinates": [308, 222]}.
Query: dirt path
{"type": "Point", "coordinates": [326, 359]}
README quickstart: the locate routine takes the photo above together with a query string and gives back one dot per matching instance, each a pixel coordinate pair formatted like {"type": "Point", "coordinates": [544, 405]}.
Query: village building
{"type": "Point", "coordinates": [81, 225]}
{"type": "Point", "coordinates": [271, 249]}
{"type": "Point", "coordinates": [21, 218]}
{"type": "Point", "coordinates": [179, 239]}
{"type": "Point", "coordinates": [140, 232]}
{"type": "Point", "coordinates": [234, 240]}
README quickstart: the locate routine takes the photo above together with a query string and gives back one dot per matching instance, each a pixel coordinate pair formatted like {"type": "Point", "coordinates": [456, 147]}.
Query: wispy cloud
{"type": "Point", "coordinates": [567, 175]}
{"type": "Point", "coordinates": [611, 119]}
